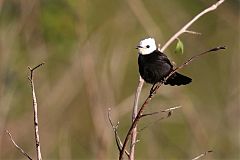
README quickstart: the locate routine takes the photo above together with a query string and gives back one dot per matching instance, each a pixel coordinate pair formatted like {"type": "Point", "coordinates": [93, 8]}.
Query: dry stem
{"type": "Point", "coordinates": [19, 148]}
{"type": "Point", "coordinates": [184, 28]}
{"type": "Point", "coordinates": [134, 115]}
{"type": "Point", "coordinates": [202, 155]}
{"type": "Point", "coordinates": [169, 112]}
{"type": "Point", "coordinates": [117, 138]}
{"type": "Point", "coordinates": [35, 111]}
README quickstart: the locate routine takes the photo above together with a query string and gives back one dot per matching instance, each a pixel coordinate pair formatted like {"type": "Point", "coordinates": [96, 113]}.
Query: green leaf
{"type": "Point", "coordinates": [179, 47]}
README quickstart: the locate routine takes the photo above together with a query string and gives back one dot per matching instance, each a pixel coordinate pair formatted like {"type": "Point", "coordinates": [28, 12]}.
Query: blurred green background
{"type": "Point", "coordinates": [91, 65]}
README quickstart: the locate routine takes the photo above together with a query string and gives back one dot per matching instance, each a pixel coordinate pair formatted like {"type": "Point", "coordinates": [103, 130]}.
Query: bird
{"type": "Point", "coordinates": [154, 66]}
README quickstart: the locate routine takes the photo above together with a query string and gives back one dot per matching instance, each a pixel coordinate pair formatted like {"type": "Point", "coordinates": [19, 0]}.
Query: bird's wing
{"type": "Point", "coordinates": [162, 58]}
{"type": "Point", "coordinates": [162, 64]}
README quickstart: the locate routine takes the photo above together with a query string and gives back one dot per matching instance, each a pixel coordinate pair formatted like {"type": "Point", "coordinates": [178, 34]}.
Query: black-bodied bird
{"type": "Point", "coordinates": [154, 65]}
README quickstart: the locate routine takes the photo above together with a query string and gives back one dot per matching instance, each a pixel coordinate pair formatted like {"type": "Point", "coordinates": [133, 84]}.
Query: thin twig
{"type": "Point", "coordinates": [35, 111]}
{"type": "Point", "coordinates": [183, 65]}
{"type": "Point", "coordinates": [192, 59]}
{"type": "Point", "coordinates": [18, 147]}
{"type": "Point", "coordinates": [169, 113]}
{"type": "Point", "coordinates": [32, 70]}
{"type": "Point", "coordinates": [193, 32]}
{"type": "Point", "coordinates": [202, 155]}
{"type": "Point", "coordinates": [184, 28]}
{"type": "Point", "coordinates": [117, 138]}
{"type": "Point", "coordinates": [149, 114]}
{"type": "Point", "coordinates": [171, 109]}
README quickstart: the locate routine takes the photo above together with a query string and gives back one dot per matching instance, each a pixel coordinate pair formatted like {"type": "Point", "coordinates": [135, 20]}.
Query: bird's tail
{"type": "Point", "coordinates": [178, 79]}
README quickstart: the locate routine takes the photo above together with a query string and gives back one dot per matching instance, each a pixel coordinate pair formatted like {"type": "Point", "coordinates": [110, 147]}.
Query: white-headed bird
{"type": "Point", "coordinates": [154, 65]}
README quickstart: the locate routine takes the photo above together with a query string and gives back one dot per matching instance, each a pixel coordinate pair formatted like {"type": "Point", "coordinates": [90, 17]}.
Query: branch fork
{"type": "Point", "coordinates": [35, 111]}
{"type": "Point", "coordinates": [35, 115]}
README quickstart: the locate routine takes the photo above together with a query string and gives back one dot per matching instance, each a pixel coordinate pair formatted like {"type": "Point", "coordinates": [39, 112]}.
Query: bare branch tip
{"type": "Point", "coordinates": [202, 155]}
{"type": "Point", "coordinates": [109, 115]}
{"type": "Point", "coordinates": [222, 47]}
{"type": "Point", "coordinates": [6, 131]}
{"type": "Point", "coordinates": [217, 48]}
{"type": "Point", "coordinates": [114, 127]}
{"type": "Point", "coordinates": [159, 46]}
{"type": "Point", "coordinates": [41, 64]}
{"type": "Point", "coordinates": [193, 32]}
{"type": "Point", "coordinates": [220, 2]}
{"type": "Point", "coordinates": [171, 109]}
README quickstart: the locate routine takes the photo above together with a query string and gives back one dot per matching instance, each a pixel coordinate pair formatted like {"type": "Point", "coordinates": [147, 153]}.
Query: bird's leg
{"type": "Point", "coordinates": [152, 90]}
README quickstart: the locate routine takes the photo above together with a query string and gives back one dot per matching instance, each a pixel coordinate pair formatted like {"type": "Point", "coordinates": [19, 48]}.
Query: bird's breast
{"type": "Point", "coordinates": [153, 68]}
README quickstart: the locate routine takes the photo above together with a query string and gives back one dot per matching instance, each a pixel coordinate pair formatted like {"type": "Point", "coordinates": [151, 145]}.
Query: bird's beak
{"type": "Point", "coordinates": [139, 47]}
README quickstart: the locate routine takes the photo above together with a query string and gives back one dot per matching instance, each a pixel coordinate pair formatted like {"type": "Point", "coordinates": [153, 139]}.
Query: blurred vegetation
{"type": "Point", "coordinates": [91, 64]}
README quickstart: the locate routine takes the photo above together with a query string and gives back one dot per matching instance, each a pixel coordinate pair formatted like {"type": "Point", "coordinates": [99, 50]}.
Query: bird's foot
{"type": "Point", "coordinates": [153, 89]}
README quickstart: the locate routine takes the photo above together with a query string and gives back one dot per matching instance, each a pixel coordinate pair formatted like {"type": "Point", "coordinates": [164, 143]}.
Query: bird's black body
{"type": "Point", "coordinates": [154, 67]}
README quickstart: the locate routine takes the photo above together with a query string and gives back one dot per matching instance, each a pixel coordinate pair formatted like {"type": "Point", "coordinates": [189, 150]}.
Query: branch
{"type": "Point", "coordinates": [141, 81]}
{"type": "Point", "coordinates": [169, 110]}
{"type": "Point", "coordinates": [192, 59]}
{"type": "Point", "coordinates": [202, 155]}
{"type": "Point", "coordinates": [154, 89]}
{"type": "Point", "coordinates": [152, 93]}
{"type": "Point", "coordinates": [32, 70]}
{"type": "Point", "coordinates": [134, 115]}
{"type": "Point", "coordinates": [193, 32]}
{"type": "Point", "coordinates": [148, 114]}
{"type": "Point", "coordinates": [184, 28]}
{"type": "Point", "coordinates": [117, 138]}
{"type": "Point", "coordinates": [169, 113]}
{"type": "Point", "coordinates": [134, 123]}
{"type": "Point", "coordinates": [19, 148]}
{"type": "Point", "coordinates": [35, 111]}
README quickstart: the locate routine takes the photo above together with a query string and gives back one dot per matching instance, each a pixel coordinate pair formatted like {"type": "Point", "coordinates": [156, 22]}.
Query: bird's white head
{"type": "Point", "coordinates": [146, 46]}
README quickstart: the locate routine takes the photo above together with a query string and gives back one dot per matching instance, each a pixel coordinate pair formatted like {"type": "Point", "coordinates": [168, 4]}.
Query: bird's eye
{"type": "Point", "coordinates": [148, 46]}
